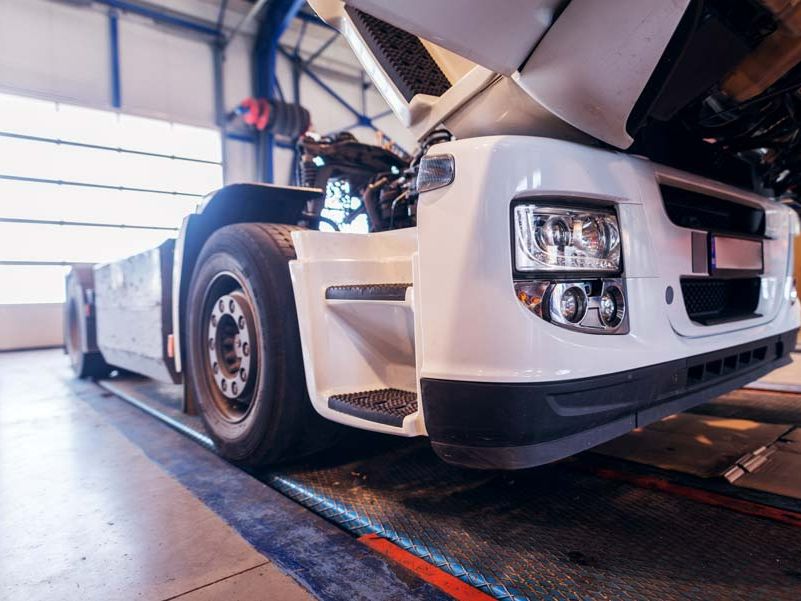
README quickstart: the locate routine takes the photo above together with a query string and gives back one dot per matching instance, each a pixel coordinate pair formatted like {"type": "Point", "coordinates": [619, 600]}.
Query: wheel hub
{"type": "Point", "coordinates": [230, 345]}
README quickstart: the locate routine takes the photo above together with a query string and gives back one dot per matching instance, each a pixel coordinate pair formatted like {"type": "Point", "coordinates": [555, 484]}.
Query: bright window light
{"type": "Point", "coordinates": [196, 142]}
{"type": "Point", "coordinates": [74, 244]}
{"type": "Point", "coordinates": [23, 284]}
{"type": "Point", "coordinates": [52, 202]}
{"type": "Point", "coordinates": [27, 116]}
{"type": "Point", "coordinates": [120, 188]}
{"type": "Point", "coordinates": [89, 126]}
{"type": "Point", "coordinates": [146, 135]}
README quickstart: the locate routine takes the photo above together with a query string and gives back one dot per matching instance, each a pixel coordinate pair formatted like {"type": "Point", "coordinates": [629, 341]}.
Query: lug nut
{"type": "Point", "coordinates": [221, 305]}
{"type": "Point", "coordinates": [241, 322]}
{"type": "Point", "coordinates": [224, 385]}
{"type": "Point", "coordinates": [234, 388]}
{"type": "Point", "coordinates": [243, 374]}
{"type": "Point", "coordinates": [214, 320]}
{"type": "Point", "coordinates": [211, 344]}
{"type": "Point", "coordinates": [216, 368]}
{"type": "Point", "coordinates": [231, 305]}
{"type": "Point", "coordinates": [246, 349]}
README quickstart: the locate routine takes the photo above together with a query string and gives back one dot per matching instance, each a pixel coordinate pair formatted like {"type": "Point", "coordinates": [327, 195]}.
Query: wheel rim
{"type": "Point", "coordinates": [231, 343]}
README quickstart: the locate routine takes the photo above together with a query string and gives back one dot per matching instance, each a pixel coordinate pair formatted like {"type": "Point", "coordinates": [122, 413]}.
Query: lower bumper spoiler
{"type": "Point", "coordinates": [495, 425]}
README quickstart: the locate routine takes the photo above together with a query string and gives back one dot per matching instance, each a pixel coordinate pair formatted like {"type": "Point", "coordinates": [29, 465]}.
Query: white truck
{"type": "Point", "coordinates": [596, 232]}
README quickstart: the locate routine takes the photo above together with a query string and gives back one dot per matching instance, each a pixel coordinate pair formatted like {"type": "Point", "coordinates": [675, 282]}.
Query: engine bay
{"type": "Point", "coordinates": [725, 98]}
{"type": "Point", "coordinates": [374, 183]}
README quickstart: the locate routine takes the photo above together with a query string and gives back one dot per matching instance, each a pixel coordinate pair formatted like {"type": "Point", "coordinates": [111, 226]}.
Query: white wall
{"type": "Point", "coordinates": [30, 326]}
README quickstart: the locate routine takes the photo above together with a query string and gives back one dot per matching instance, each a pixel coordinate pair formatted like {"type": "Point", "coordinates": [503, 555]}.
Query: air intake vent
{"type": "Point", "coordinates": [711, 301]}
{"type": "Point", "coordinates": [701, 212]}
{"type": "Point", "coordinates": [705, 371]}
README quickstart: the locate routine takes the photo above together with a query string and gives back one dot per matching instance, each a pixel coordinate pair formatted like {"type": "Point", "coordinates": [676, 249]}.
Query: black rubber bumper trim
{"type": "Point", "coordinates": [517, 425]}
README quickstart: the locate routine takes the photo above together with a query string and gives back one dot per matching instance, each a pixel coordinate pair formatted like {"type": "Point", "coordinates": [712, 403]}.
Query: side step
{"type": "Point", "coordinates": [368, 292]}
{"type": "Point", "coordinates": [386, 406]}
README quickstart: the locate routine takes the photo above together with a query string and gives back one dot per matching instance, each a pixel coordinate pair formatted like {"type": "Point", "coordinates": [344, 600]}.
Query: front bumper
{"type": "Point", "coordinates": [494, 425]}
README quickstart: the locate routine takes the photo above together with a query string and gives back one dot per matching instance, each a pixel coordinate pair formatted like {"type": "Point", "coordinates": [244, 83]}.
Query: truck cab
{"type": "Point", "coordinates": [569, 254]}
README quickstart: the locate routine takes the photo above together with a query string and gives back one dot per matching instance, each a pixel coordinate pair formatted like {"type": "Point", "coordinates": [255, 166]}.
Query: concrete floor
{"type": "Point", "coordinates": [84, 514]}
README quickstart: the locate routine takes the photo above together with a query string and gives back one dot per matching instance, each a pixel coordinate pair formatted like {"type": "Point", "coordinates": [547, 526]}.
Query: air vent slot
{"type": "Point", "coordinates": [710, 213]}
{"type": "Point", "coordinates": [707, 371]}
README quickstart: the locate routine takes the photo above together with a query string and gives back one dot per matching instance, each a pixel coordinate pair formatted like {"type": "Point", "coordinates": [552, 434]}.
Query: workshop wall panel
{"type": "Point", "coordinates": [165, 74]}
{"type": "Point", "coordinates": [54, 50]}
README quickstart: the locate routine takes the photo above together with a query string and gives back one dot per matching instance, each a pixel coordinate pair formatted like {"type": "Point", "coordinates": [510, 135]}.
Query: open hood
{"type": "Point", "coordinates": [705, 85]}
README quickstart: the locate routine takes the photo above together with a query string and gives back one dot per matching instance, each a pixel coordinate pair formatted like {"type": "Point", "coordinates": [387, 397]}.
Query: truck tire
{"type": "Point", "coordinates": [79, 327]}
{"type": "Point", "coordinates": [244, 359]}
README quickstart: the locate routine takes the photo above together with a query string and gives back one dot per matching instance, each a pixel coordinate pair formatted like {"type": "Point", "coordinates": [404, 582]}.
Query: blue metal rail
{"type": "Point", "coordinates": [114, 47]}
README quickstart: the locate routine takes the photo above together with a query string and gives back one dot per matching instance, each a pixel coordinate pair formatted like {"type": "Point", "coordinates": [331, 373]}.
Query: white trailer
{"type": "Point", "coordinates": [528, 288]}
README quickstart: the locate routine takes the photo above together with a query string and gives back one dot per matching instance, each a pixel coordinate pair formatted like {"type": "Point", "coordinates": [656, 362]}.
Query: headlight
{"type": "Point", "coordinates": [566, 239]}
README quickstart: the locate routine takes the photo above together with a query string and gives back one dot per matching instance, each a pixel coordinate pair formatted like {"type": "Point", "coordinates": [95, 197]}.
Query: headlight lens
{"type": "Point", "coordinates": [566, 239]}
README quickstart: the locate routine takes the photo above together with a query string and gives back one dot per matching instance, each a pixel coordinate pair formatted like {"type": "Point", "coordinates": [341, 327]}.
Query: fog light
{"type": "Point", "coordinates": [573, 304]}
{"type": "Point", "coordinates": [612, 306]}
{"type": "Point", "coordinates": [593, 306]}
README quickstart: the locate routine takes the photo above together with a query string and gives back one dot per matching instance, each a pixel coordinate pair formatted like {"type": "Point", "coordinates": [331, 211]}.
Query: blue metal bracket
{"type": "Point", "coordinates": [114, 50]}
{"type": "Point", "coordinates": [275, 19]}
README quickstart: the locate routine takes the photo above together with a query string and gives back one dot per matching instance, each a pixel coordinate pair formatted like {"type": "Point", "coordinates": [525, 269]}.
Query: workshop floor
{"type": "Point", "coordinates": [84, 514]}
{"type": "Point", "coordinates": [108, 492]}
{"type": "Point", "coordinates": [586, 527]}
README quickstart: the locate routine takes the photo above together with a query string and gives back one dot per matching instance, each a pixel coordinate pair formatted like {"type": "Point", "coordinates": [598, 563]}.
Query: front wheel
{"type": "Point", "coordinates": [245, 364]}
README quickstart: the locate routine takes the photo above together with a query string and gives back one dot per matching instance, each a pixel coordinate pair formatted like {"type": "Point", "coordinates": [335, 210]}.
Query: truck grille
{"type": "Point", "coordinates": [710, 301]}
{"type": "Point", "coordinates": [701, 212]}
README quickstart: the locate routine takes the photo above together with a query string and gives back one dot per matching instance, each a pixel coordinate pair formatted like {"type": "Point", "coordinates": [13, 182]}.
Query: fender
{"type": "Point", "coordinates": [237, 203]}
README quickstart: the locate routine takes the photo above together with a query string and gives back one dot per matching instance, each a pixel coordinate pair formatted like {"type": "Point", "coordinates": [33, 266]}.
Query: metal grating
{"type": "Point", "coordinates": [711, 300]}
{"type": "Point", "coordinates": [402, 55]}
{"type": "Point", "coordinates": [550, 532]}
{"type": "Point", "coordinates": [385, 406]}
